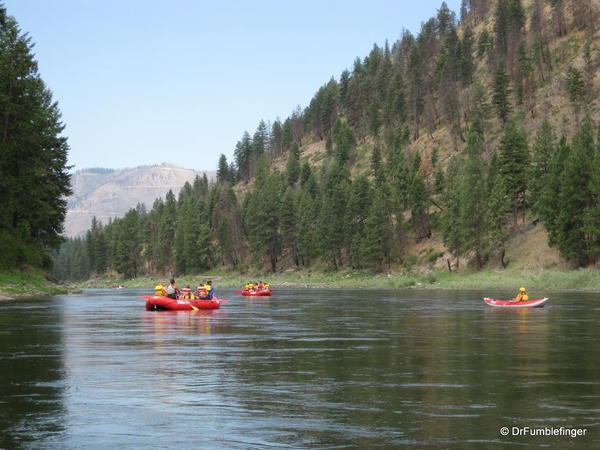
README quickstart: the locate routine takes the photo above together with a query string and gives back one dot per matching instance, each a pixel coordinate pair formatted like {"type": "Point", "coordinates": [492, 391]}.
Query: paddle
{"type": "Point", "coordinates": [238, 292]}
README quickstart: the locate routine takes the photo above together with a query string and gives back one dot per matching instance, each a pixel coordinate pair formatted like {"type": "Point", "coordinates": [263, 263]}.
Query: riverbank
{"type": "Point", "coordinates": [582, 279]}
{"type": "Point", "coordinates": [30, 283]}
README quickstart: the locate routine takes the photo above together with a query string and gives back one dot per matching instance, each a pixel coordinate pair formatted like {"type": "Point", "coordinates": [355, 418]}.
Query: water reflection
{"type": "Point", "coordinates": [31, 372]}
{"type": "Point", "coordinates": [304, 368]}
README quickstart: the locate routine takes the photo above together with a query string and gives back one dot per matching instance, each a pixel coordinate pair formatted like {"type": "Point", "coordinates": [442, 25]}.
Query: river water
{"type": "Point", "coordinates": [305, 368]}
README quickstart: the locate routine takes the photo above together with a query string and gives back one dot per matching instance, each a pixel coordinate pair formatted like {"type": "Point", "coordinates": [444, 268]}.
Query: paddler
{"type": "Point", "coordinates": [210, 290]}
{"type": "Point", "coordinates": [201, 291]}
{"type": "Point", "coordinates": [172, 289]}
{"type": "Point", "coordinates": [521, 296]}
{"type": "Point", "coordinates": [159, 289]}
{"type": "Point", "coordinates": [260, 286]}
{"type": "Point", "coordinates": [187, 293]}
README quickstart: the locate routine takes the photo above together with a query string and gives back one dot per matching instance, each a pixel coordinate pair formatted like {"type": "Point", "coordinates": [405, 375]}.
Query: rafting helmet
{"type": "Point", "coordinates": [522, 289]}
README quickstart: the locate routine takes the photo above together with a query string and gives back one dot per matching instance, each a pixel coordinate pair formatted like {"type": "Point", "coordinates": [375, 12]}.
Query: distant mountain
{"type": "Point", "coordinates": [108, 193]}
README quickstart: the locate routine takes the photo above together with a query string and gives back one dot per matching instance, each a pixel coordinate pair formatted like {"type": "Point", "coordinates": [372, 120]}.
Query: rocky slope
{"type": "Point", "coordinates": [107, 193]}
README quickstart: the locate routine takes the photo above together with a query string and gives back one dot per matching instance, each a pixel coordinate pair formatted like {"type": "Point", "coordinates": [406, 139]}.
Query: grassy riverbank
{"type": "Point", "coordinates": [583, 279]}
{"type": "Point", "coordinates": [31, 283]}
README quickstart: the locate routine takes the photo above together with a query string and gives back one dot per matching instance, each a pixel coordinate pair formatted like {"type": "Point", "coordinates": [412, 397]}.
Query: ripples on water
{"type": "Point", "coordinates": [304, 368]}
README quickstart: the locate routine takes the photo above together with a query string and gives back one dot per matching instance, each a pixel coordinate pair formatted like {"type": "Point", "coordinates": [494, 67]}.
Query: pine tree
{"type": "Point", "coordinates": [575, 198]}
{"type": "Point", "coordinates": [497, 215]}
{"type": "Point", "coordinates": [289, 226]}
{"type": "Point", "coordinates": [452, 226]}
{"type": "Point", "coordinates": [330, 228]}
{"type": "Point", "coordinates": [501, 99]}
{"type": "Point", "coordinates": [357, 211]}
{"type": "Point", "coordinates": [223, 175]}
{"type": "Point", "coordinates": [376, 244]}
{"type": "Point", "coordinates": [514, 165]}
{"type": "Point", "coordinates": [575, 87]}
{"type": "Point", "coordinates": [474, 200]}
{"type": "Point", "coordinates": [539, 174]}
{"type": "Point", "coordinates": [548, 204]}
{"type": "Point", "coordinates": [307, 215]}
{"type": "Point", "coordinates": [33, 161]}
{"type": "Point", "coordinates": [293, 164]}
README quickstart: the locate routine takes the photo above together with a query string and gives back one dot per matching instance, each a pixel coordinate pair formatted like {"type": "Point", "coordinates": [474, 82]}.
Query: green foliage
{"type": "Point", "coordinates": [501, 97]}
{"type": "Point", "coordinates": [293, 165]}
{"type": "Point", "coordinates": [514, 164]}
{"type": "Point", "coordinates": [34, 179]}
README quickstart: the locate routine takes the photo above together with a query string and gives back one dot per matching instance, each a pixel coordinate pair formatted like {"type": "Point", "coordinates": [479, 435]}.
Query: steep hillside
{"type": "Point", "coordinates": [107, 194]}
{"type": "Point", "coordinates": [473, 143]}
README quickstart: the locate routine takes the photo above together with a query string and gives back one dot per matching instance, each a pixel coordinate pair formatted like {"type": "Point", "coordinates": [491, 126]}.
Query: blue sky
{"type": "Point", "coordinates": [144, 82]}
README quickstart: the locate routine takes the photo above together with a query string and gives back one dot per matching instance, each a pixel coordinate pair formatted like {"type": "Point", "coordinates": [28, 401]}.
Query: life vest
{"type": "Point", "coordinates": [160, 290]}
{"type": "Point", "coordinates": [525, 298]}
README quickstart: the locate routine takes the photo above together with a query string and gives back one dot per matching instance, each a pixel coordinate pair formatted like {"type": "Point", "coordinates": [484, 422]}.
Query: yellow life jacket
{"type": "Point", "coordinates": [525, 298]}
{"type": "Point", "coordinates": [160, 290]}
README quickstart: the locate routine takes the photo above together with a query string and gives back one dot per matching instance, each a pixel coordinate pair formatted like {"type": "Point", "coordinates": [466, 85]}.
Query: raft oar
{"type": "Point", "coordinates": [238, 292]}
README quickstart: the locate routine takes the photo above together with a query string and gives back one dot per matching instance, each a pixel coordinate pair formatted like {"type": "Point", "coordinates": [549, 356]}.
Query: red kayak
{"type": "Point", "coordinates": [539, 303]}
{"type": "Point", "coordinates": [160, 303]}
{"type": "Point", "coordinates": [261, 292]}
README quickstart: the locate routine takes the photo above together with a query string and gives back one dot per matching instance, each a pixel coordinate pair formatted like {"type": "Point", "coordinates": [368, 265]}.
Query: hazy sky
{"type": "Point", "coordinates": [144, 82]}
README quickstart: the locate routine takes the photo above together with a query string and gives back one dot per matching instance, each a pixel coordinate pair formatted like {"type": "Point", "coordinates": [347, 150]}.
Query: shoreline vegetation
{"type": "Point", "coordinates": [550, 279]}
{"type": "Point", "coordinates": [30, 283]}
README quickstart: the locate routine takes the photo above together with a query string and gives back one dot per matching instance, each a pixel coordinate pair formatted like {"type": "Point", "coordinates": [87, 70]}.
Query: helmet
{"type": "Point", "coordinates": [522, 289]}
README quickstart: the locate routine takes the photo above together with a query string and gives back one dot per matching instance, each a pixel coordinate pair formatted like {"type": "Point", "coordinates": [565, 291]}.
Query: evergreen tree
{"type": "Point", "coordinates": [289, 227]}
{"type": "Point", "coordinates": [501, 99]}
{"type": "Point", "coordinates": [307, 215]}
{"type": "Point", "coordinates": [514, 165]}
{"type": "Point", "coordinates": [474, 200]}
{"type": "Point", "coordinates": [223, 175]}
{"type": "Point", "coordinates": [329, 226]}
{"type": "Point", "coordinates": [293, 164]}
{"type": "Point", "coordinates": [548, 204]}
{"type": "Point", "coordinates": [452, 227]}
{"type": "Point", "coordinates": [575, 87]}
{"type": "Point", "coordinates": [359, 202]}
{"type": "Point", "coordinates": [539, 174]}
{"type": "Point", "coordinates": [575, 198]}
{"type": "Point", "coordinates": [497, 214]}
{"type": "Point", "coordinates": [33, 161]}
{"type": "Point", "coordinates": [376, 244]}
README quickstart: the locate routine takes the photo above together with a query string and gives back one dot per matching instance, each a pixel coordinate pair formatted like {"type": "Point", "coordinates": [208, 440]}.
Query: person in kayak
{"type": "Point", "coordinates": [521, 296]}
{"type": "Point", "coordinates": [172, 290]}
{"type": "Point", "coordinates": [159, 289]}
{"type": "Point", "coordinates": [210, 290]}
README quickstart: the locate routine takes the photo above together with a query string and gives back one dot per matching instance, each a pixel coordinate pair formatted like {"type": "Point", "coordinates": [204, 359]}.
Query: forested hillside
{"type": "Point", "coordinates": [450, 141]}
{"type": "Point", "coordinates": [33, 154]}
{"type": "Point", "coordinates": [106, 194]}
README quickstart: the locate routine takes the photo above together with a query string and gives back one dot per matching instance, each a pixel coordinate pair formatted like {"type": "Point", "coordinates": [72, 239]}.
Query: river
{"type": "Point", "coordinates": [314, 368]}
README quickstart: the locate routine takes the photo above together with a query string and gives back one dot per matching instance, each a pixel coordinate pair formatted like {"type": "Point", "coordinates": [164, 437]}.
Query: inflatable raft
{"type": "Point", "coordinates": [256, 293]}
{"type": "Point", "coordinates": [160, 303]}
{"type": "Point", "coordinates": [539, 303]}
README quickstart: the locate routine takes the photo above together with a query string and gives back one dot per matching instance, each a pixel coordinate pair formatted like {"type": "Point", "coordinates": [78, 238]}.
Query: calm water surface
{"type": "Point", "coordinates": [304, 368]}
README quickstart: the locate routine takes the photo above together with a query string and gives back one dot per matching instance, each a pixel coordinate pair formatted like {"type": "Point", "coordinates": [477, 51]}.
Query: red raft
{"type": "Point", "coordinates": [160, 303]}
{"type": "Point", "coordinates": [254, 293]}
{"type": "Point", "coordinates": [539, 303]}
